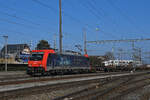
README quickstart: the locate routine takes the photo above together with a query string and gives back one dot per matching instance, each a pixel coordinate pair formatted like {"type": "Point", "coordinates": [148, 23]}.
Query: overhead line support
{"type": "Point", "coordinates": [60, 27]}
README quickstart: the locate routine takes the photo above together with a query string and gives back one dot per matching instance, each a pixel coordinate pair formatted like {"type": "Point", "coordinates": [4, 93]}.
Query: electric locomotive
{"type": "Point", "coordinates": [49, 62]}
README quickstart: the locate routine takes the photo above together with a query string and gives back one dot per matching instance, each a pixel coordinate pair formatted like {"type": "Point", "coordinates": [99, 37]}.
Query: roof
{"type": "Point", "coordinates": [47, 50]}
{"type": "Point", "coordinates": [15, 47]}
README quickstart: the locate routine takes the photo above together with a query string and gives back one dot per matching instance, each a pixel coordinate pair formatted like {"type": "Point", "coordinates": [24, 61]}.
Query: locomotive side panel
{"type": "Point", "coordinates": [67, 62]}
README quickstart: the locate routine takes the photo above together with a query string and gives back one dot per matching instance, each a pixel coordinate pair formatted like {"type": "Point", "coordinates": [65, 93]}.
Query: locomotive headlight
{"type": "Point", "coordinates": [30, 65]}
{"type": "Point", "coordinates": [40, 65]}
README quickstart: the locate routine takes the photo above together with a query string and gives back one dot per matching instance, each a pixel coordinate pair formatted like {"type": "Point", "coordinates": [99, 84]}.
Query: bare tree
{"type": "Point", "coordinates": [109, 56]}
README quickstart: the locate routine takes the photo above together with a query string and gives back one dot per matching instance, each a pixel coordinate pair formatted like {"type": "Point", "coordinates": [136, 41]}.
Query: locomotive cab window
{"type": "Point", "coordinates": [36, 56]}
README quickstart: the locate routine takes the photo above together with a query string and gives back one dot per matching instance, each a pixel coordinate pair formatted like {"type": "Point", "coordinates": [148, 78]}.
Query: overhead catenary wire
{"type": "Point", "coordinates": [90, 3]}
{"type": "Point", "coordinates": [21, 35]}
{"type": "Point", "coordinates": [90, 27]}
{"type": "Point", "coordinates": [106, 15]}
{"type": "Point", "coordinates": [111, 19]}
{"type": "Point", "coordinates": [55, 11]}
{"type": "Point", "coordinates": [19, 24]}
{"type": "Point", "coordinates": [90, 10]}
{"type": "Point", "coordinates": [12, 22]}
{"type": "Point", "coordinates": [76, 19]}
{"type": "Point", "coordinates": [45, 5]}
{"type": "Point", "coordinates": [65, 14]}
{"type": "Point", "coordinates": [123, 14]}
{"type": "Point", "coordinates": [96, 14]}
{"type": "Point", "coordinates": [24, 12]}
{"type": "Point", "coordinates": [99, 8]}
{"type": "Point", "coordinates": [34, 24]}
{"type": "Point", "coordinates": [20, 18]}
{"type": "Point", "coordinates": [13, 31]}
{"type": "Point", "coordinates": [93, 2]}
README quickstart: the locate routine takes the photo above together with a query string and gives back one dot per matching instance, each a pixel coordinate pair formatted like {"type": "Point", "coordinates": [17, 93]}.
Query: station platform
{"type": "Point", "coordinates": [2, 73]}
{"type": "Point", "coordinates": [11, 74]}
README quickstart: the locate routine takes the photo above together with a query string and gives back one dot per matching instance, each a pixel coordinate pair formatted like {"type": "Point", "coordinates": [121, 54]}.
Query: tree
{"type": "Point", "coordinates": [109, 56]}
{"type": "Point", "coordinates": [43, 44]}
{"type": "Point", "coordinates": [95, 61]}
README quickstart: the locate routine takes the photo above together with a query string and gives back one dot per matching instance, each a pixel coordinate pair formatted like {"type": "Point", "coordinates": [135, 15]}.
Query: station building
{"type": "Point", "coordinates": [14, 50]}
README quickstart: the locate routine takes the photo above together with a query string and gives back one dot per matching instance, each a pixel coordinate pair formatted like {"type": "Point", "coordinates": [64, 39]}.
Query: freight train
{"type": "Point", "coordinates": [49, 62]}
{"type": "Point", "coordinates": [114, 65]}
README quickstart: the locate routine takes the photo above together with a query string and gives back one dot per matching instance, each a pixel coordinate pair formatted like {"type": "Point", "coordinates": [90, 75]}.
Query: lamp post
{"type": "Point", "coordinates": [6, 39]}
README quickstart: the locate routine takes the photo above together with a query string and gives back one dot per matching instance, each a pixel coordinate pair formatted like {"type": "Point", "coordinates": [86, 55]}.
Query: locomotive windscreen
{"type": "Point", "coordinates": [36, 56]}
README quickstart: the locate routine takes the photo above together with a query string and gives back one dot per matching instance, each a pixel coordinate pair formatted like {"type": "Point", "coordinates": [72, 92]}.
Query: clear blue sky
{"type": "Point", "coordinates": [25, 20]}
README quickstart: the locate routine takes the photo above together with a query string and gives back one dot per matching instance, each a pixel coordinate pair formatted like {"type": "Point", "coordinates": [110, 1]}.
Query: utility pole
{"type": "Point", "coordinates": [60, 27]}
{"type": "Point", "coordinates": [30, 45]}
{"type": "Point", "coordinates": [6, 39]}
{"type": "Point", "coordinates": [140, 54]}
{"type": "Point", "coordinates": [55, 41]}
{"type": "Point", "coordinates": [120, 54]}
{"type": "Point", "coordinates": [113, 51]}
{"type": "Point", "coordinates": [84, 32]}
{"type": "Point", "coordinates": [133, 51]}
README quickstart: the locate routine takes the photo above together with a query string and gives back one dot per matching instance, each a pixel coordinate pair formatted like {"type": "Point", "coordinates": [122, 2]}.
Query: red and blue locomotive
{"type": "Point", "coordinates": [49, 62]}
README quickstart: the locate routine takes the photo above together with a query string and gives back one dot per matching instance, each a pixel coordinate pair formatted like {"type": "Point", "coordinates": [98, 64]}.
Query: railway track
{"type": "Point", "coordinates": [11, 80]}
{"type": "Point", "coordinates": [6, 95]}
{"type": "Point", "coordinates": [114, 89]}
{"type": "Point", "coordinates": [87, 88]}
